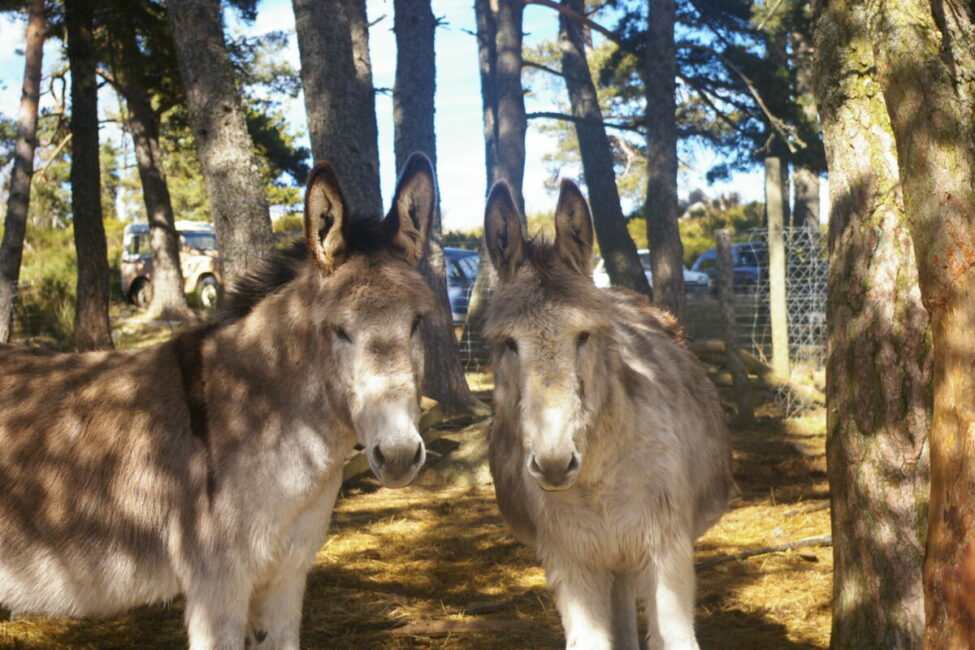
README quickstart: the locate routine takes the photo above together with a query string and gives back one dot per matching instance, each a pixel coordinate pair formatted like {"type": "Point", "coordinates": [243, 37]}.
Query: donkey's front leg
{"type": "Point", "coordinates": [216, 610]}
{"type": "Point", "coordinates": [275, 612]}
{"type": "Point", "coordinates": [673, 598]}
{"type": "Point", "coordinates": [625, 633]}
{"type": "Point", "coordinates": [582, 595]}
{"type": "Point", "coordinates": [275, 619]}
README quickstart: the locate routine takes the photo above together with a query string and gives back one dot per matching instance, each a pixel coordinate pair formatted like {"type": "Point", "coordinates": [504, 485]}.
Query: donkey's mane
{"type": "Point", "coordinates": [361, 235]}
{"type": "Point", "coordinates": [540, 252]}
{"type": "Point", "coordinates": [275, 272]}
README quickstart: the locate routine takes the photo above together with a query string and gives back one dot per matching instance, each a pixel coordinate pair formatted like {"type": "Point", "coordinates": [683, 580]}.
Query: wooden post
{"type": "Point", "coordinates": [776, 266]}
{"type": "Point", "coordinates": [743, 394]}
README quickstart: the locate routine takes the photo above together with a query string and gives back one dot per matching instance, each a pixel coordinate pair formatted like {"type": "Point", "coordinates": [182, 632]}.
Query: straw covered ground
{"type": "Point", "coordinates": [433, 565]}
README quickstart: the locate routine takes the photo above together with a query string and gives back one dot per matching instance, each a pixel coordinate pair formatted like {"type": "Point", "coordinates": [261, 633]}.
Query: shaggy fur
{"type": "Point", "coordinates": [208, 465]}
{"type": "Point", "coordinates": [609, 449]}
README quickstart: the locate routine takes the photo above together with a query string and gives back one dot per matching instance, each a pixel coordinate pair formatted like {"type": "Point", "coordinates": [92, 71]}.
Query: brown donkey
{"type": "Point", "coordinates": [608, 448]}
{"type": "Point", "coordinates": [209, 465]}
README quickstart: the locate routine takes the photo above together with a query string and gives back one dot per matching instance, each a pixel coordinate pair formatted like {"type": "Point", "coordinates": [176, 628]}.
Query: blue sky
{"type": "Point", "coordinates": [460, 147]}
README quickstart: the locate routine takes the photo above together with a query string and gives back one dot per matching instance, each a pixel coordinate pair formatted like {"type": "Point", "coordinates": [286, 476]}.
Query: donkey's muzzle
{"type": "Point", "coordinates": [554, 471]}
{"type": "Point", "coordinates": [397, 464]}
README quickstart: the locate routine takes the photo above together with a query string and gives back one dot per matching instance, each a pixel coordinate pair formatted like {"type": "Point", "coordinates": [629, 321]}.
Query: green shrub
{"type": "Point", "coordinates": [45, 307]}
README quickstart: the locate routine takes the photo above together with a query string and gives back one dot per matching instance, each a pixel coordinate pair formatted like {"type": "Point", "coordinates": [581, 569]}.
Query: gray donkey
{"type": "Point", "coordinates": [209, 465]}
{"type": "Point", "coordinates": [609, 449]}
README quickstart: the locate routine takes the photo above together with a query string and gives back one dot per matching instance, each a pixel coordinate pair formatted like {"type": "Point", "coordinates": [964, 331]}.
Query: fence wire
{"type": "Point", "coordinates": [806, 267]}
{"type": "Point", "coordinates": [805, 285]}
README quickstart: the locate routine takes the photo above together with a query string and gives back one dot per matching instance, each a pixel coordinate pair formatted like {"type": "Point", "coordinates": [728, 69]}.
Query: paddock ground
{"type": "Point", "coordinates": [432, 566]}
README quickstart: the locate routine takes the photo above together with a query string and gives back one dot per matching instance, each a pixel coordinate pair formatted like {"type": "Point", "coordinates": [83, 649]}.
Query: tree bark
{"type": "Point", "coordinates": [91, 327]}
{"type": "Point", "coordinates": [511, 123]}
{"type": "Point", "coordinates": [726, 295]}
{"type": "Point", "coordinates": [925, 56]}
{"type": "Point", "coordinates": [487, 57]}
{"type": "Point", "coordinates": [660, 207]}
{"type": "Point", "coordinates": [776, 220]}
{"type": "Point", "coordinates": [615, 243]}
{"type": "Point", "coordinates": [18, 201]}
{"type": "Point", "coordinates": [805, 211]}
{"type": "Point", "coordinates": [333, 43]}
{"type": "Point", "coordinates": [499, 37]}
{"type": "Point", "coordinates": [237, 202]}
{"type": "Point", "coordinates": [168, 299]}
{"type": "Point", "coordinates": [413, 118]}
{"type": "Point", "coordinates": [879, 364]}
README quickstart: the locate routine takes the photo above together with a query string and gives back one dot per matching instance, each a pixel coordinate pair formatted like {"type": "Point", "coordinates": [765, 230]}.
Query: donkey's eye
{"type": "Point", "coordinates": [416, 324]}
{"type": "Point", "coordinates": [342, 334]}
{"type": "Point", "coordinates": [583, 337]}
{"type": "Point", "coordinates": [511, 345]}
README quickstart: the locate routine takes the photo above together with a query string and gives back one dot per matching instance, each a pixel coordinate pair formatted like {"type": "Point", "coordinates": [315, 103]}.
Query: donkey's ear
{"type": "Point", "coordinates": [325, 217]}
{"type": "Point", "coordinates": [410, 220]}
{"type": "Point", "coordinates": [502, 231]}
{"type": "Point", "coordinates": [573, 228]}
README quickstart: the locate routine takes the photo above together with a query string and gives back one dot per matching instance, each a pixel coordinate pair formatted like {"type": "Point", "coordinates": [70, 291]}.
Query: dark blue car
{"type": "Point", "coordinates": [749, 261]}
{"type": "Point", "coordinates": [461, 273]}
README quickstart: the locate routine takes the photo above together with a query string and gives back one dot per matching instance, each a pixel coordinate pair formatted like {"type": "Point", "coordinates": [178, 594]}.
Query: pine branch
{"type": "Point", "coordinates": [576, 16]}
{"type": "Point", "coordinates": [825, 540]}
{"type": "Point", "coordinates": [581, 120]}
{"type": "Point", "coordinates": [542, 67]}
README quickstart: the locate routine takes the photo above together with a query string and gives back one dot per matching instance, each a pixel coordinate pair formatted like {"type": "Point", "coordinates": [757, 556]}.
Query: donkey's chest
{"type": "Point", "coordinates": [604, 527]}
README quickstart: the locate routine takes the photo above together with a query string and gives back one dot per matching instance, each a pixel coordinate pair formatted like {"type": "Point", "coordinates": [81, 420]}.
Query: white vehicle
{"type": "Point", "coordinates": [198, 256]}
{"type": "Point", "coordinates": [694, 281]}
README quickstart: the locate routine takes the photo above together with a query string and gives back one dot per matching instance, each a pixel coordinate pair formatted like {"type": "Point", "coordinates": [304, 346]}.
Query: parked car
{"type": "Point", "coordinates": [461, 273]}
{"type": "Point", "coordinates": [748, 260]}
{"type": "Point", "coordinates": [198, 260]}
{"type": "Point", "coordinates": [694, 282]}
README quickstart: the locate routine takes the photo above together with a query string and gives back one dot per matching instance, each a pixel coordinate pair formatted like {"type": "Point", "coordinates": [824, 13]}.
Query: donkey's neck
{"type": "Point", "coordinates": [614, 410]}
{"type": "Point", "coordinates": [273, 364]}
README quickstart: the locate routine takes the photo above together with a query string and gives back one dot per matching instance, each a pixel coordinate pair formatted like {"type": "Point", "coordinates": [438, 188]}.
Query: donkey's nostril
{"type": "Point", "coordinates": [418, 456]}
{"type": "Point", "coordinates": [573, 464]}
{"type": "Point", "coordinates": [378, 457]}
{"type": "Point", "coordinates": [534, 467]}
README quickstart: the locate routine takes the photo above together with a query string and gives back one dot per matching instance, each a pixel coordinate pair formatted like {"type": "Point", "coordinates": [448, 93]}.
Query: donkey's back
{"type": "Point", "coordinates": [94, 452]}
{"type": "Point", "coordinates": [677, 412]}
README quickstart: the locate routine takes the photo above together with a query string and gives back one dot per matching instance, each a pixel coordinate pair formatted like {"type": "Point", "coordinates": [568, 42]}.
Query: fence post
{"type": "Point", "coordinates": [743, 391]}
{"type": "Point", "coordinates": [778, 313]}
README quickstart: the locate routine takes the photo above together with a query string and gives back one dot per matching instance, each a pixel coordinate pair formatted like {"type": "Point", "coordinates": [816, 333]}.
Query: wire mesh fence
{"type": "Point", "coordinates": [805, 283]}
{"type": "Point", "coordinates": [806, 267]}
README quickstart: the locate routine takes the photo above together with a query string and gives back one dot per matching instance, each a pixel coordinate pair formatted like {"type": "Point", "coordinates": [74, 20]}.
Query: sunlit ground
{"type": "Point", "coordinates": [433, 566]}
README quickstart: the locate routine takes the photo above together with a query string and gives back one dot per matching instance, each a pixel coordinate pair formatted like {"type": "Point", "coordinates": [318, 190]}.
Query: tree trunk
{"type": "Point", "coordinates": [499, 52]}
{"type": "Point", "coordinates": [660, 207]}
{"type": "Point", "coordinates": [15, 223]}
{"type": "Point", "coordinates": [726, 296]}
{"type": "Point", "coordinates": [805, 214]}
{"type": "Point", "coordinates": [925, 60]}
{"type": "Point", "coordinates": [805, 211]}
{"type": "Point", "coordinates": [776, 220]}
{"type": "Point", "coordinates": [168, 299]}
{"type": "Point", "coordinates": [879, 364]}
{"type": "Point", "coordinates": [615, 243]}
{"type": "Point", "coordinates": [237, 201]}
{"type": "Point", "coordinates": [91, 327]}
{"type": "Point", "coordinates": [413, 119]}
{"type": "Point", "coordinates": [512, 123]}
{"type": "Point", "coordinates": [487, 57]}
{"type": "Point", "coordinates": [333, 42]}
